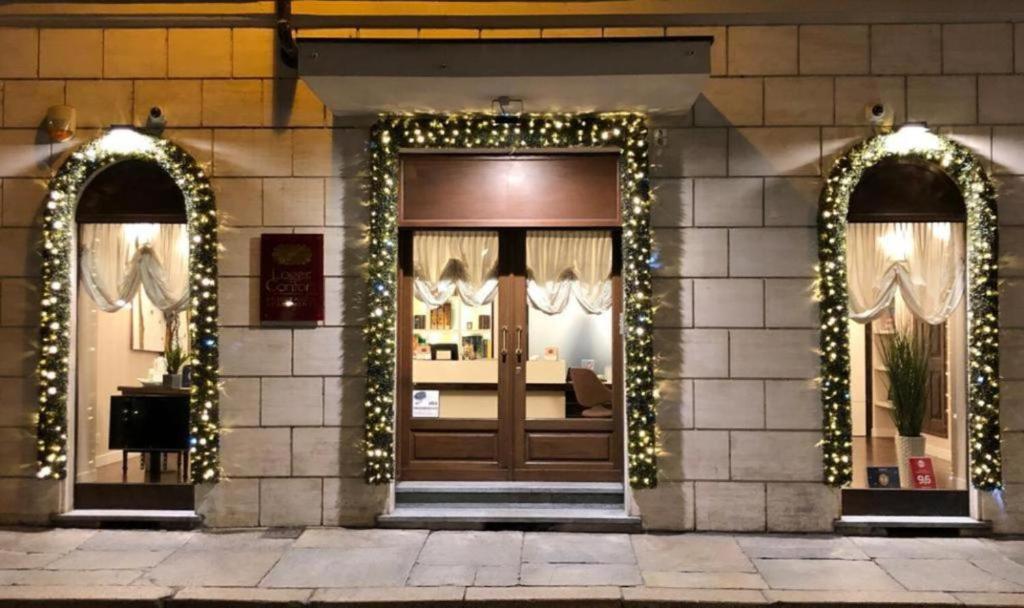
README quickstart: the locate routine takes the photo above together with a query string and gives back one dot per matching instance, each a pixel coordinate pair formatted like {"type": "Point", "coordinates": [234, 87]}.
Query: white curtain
{"type": "Point", "coordinates": [924, 262]}
{"type": "Point", "coordinates": [561, 264]}
{"type": "Point", "coordinates": [116, 259]}
{"type": "Point", "coordinates": [449, 262]}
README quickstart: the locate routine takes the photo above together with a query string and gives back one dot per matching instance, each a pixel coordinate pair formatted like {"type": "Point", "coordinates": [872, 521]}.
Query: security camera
{"type": "Point", "coordinates": [156, 121]}
{"type": "Point", "coordinates": [880, 115]}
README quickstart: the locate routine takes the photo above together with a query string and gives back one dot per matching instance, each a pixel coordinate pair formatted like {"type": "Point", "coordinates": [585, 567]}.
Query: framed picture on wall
{"type": "Point", "coordinates": [484, 322]}
{"type": "Point", "coordinates": [419, 321]}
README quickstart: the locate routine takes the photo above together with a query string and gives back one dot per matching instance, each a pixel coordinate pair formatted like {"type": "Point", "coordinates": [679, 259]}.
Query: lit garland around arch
{"type": "Point", "coordinates": [58, 254]}
{"type": "Point", "coordinates": [628, 133]}
{"type": "Point", "coordinates": [983, 299]}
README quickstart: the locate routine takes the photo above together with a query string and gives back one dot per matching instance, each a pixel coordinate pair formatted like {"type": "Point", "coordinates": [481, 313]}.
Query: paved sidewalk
{"type": "Point", "coordinates": [333, 566]}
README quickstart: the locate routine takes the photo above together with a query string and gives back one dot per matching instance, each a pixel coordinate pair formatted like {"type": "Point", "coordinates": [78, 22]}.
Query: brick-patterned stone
{"type": "Point", "coordinates": [773, 353]}
{"type": "Point", "coordinates": [249, 452]}
{"type": "Point", "coordinates": [345, 300]}
{"type": "Point", "coordinates": [775, 455]}
{"type": "Point", "coordinates": [1008, 150]}
{"type": "Point", "coordinates": [855, 94]}
{"type": "Point", "coordinates": [728, 404]}
{"type": "Point", "coordinates": [23, 202]}
{"type": "Point", "coordinates": [705, 454]}
{"type": "Point", "coordinates": [19, 302]}
{"type": "Point", "coordinates": [690, 152]}
{"type": "Point", "coordinates": [259, 152]}
{"type": "Point", "coordinates": [291, 103]}
{"type": "Point", "coordinates": [675, 404]}
{"type": "Point", "coordinates": [692, 353]}
{"type": "Point", "coordinates": [135, 53]}
{"type": "Point", "coordinates": [673, 202]}
{"type": "Point", "coordinates": [19, 52]}
{"type": "Point", "coordinates": [692, 252]}
{"type": "Point", "coordinates": [798, 100]}
{"type": "Point", "coordinates": [728, 303]}
{"type": "Point", "coordinates": [18, 396]}
{"type": "Point", "coordinates": [239, 201]}
{"type": "Point", "coordinates": [329, 351]}
{"type": "Point", "coordinates": [728, 202]}
{"type": "Point", "coordinates": [17, 452]}
{"type": "Point", "coordinates": [327, 451]}
{"type": "Point", "coordinates": [291, 502]}
{"type": "Point", "coordinates": [352, 502]}
{"type": "Point", "coordinates": [293, 201]}
{"type": "Point", "coordinates": [774, 151]}
{"type": "Point", "coordinates": [70, 53]}
{"type": "Point", "coordinates": [792, 404]}
{"type": "Point", "coordinates": [942, 99]}
{"type": "Point", "coordinates": [199, 53]}
{"type": "Point", "coordinates": [292, 402]}
{"type": "Point", "coordinates": [772, 252]}
{"type": "Point", "coordinates": [26, 101]}
{"type": "Point", "coordinates": [667, 507]}
{"type": "Point", "coordinates": [790, 303]}
{"type": "Point", "coordinates": [977, 48]}
{"type": "Point", "coordinates": [239, 252]}
{"type": "Point", "coordinates": [674, 299]}
{"type": "Point", "coordinates": [346, 202]}
{"type": "Point", "coordinates": [101, 103]}
{"type": "Point", "coordinates": [254, 54]}
{"type": "Point", "coordinates": [730, 102]}
{"type": "Point", "coordinates": [999, 99]}
{"type": "Point", "coordinates": [232, 103]}
{"type": "Point", "coordinates": [343, 401]}
{"type": "Point", "coordinates": [255, 352]}
{"type": "Point", "coordinates": [180, 101]}
{"type": "Point", "coordinates": [762, 50]}
{"type": "Point", "coordinates": [906, 49]}
{"type": "Point", "coordinates": [791, 201]}
{"type": "Point", "coordinates": [240, 402]}
{"type": "Point", "coordinates": [833, 49]}
{"type": "Point", "coordinates": [229, 503]}
{"type": "Point", "coordinates": [802, 507]}
{"type": "Point", "coordinates": [730, 506]}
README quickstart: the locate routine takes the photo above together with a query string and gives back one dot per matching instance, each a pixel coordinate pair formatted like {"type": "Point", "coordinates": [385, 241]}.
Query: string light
{"type": "Point", "coordinates": [628, 133]}
{"type": "Point", "coordinates": [982, 315]}
{"type": "Point", "coordinates": [55, 310]}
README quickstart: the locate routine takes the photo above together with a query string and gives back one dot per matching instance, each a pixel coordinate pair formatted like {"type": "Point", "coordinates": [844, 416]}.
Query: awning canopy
{"type": "Point", "coordinates": [656, 75]}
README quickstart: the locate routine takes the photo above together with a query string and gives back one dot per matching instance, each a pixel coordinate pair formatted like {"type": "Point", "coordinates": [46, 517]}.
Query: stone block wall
{"type": "Point", "coordinates": [737, 182]}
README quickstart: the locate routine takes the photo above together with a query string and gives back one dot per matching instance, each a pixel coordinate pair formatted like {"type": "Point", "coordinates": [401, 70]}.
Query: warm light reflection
{"type": "Point", "coordinates": [122, 140]}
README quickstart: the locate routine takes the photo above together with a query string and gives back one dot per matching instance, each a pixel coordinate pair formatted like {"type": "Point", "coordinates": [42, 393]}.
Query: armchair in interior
{"type": "Point", "coordinates": [591, 393]}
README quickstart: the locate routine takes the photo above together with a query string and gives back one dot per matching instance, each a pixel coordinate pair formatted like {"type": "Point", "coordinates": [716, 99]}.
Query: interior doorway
{"type": "Point", "coordinates": [510, 359]}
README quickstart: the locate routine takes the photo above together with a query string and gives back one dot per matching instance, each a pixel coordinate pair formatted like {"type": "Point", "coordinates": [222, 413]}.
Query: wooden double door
{"type": "Point", "coordinates": [493, 388]}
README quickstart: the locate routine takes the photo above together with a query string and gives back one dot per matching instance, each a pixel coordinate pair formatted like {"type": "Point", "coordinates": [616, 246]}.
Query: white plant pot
{"type": "Point", "coordinates": [906, 448]}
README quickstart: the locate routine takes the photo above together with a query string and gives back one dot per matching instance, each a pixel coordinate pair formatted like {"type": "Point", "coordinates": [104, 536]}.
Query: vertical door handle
{"type": "Point", "coordinates": [519, 344]}
{"type": "Point", "coordinates": [504, 341]}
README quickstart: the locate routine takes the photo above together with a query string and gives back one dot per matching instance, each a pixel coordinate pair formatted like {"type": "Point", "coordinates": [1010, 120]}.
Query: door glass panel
{"type": "Point", "coordinates": [569, 315]}
{"type": "Point", "coordinates": [455, 303]}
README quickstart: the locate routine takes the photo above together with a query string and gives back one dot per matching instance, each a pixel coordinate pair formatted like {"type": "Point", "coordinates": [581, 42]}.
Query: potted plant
{"type": "Point", "coordinates": [173, 354]}
{"type": "Point", "coordinates": [905, 356]}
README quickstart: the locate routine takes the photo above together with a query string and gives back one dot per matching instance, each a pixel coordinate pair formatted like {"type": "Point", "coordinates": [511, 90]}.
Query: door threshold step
{"type": "Point", "coordinates": [903, 525]}
{"type": "Point", "coordinates": [508, 493]}
{"type": "Point", "coordinates": [130, 518]}
{"type": "Point", "coordinates": [553, 517]}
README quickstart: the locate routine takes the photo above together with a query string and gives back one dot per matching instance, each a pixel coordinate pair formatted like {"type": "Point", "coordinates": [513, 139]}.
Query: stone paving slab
{"type": "Point", "coordinates": [346, 567]}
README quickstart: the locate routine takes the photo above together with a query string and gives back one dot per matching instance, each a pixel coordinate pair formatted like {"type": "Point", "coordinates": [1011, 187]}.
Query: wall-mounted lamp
{"type": "Point", "coordinates": [910, 137]}
{"type": "Point", "coordinates": [60, 123]}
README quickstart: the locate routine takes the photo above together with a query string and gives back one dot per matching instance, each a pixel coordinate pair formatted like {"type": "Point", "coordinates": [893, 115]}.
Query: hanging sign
{"type": "Point", "coordinates": [291, 279]}
{"type": "Point", "coordinates": [922, 474]}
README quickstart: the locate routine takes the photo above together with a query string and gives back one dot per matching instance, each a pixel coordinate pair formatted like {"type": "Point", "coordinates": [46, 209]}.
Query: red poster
{"type": "Point", "coordinates": [922, 474]}
{"type": "Point", "coordinates": [291, 279]}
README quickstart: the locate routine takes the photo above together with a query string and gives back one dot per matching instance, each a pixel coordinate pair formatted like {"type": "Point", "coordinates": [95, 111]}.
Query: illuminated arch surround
{"type": "Point", "coordinates": [983, 299]}
{"type": "Point", "coordinates": [56, 278]}
{"type": "Point", "coordinates": [628, 133]}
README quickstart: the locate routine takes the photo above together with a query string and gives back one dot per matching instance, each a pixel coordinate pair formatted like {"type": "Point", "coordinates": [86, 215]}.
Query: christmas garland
{"type": "Point", "coordinates": [58, 257]}
{"type": "Point", "coordinates": [628, 133]}
{"type": "Point", "coordinates": [983, 299]}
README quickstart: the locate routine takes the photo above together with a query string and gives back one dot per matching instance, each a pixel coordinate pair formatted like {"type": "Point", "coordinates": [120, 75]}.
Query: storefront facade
{"type": "Point", "coordinates": [735, 182]}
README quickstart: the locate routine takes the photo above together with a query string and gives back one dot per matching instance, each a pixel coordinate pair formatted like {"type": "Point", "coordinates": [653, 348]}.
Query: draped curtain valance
{"type": "Point", "coordinates": [561, 264]}
{"type": "Point", "coordinates": [117, 259]}
{"type": "Point", "coordinates": [449, 262]}
{"type": "Point", "coordinates": [923, 262]}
